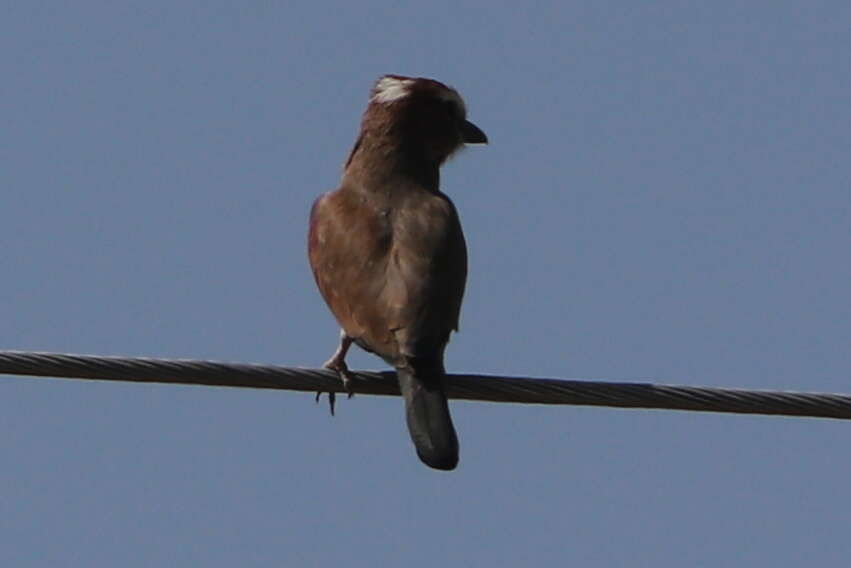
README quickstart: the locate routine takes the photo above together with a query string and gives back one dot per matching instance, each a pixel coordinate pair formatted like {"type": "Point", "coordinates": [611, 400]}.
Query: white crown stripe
{"type": "Point", "coordinates": [389, 89]}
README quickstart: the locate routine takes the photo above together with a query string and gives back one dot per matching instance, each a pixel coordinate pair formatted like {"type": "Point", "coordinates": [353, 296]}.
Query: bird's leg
{"type": "Point", "coordinates": [337, 363]}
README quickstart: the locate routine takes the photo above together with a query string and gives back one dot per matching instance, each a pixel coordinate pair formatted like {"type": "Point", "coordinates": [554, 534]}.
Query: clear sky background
{"type": "Point", "coordinates": [666, 198]}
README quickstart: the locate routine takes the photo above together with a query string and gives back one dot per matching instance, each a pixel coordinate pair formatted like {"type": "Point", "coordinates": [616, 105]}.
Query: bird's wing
{"type": "Point", "coordinates": [426, 274]}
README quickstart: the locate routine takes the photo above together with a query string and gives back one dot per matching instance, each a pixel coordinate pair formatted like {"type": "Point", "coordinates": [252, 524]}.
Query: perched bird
{"type": "Point", "coordinates": [388, 253]}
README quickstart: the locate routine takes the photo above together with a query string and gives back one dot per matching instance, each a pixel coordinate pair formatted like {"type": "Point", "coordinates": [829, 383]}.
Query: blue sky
{"type": "Point", "coordinates": [665, 198]}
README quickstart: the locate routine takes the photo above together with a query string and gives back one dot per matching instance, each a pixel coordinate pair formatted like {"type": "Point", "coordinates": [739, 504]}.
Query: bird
{"type": "Point", "coordinates": [388, 253]}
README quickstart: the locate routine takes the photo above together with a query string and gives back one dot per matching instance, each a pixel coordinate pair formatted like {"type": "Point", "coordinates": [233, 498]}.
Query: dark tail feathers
{"type": "Point", "coordinates": [428, 418]}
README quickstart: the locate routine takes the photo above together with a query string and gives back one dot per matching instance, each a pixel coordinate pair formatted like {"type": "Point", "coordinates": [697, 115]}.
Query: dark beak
{"type": "Point", "coordinates": [472, 134]}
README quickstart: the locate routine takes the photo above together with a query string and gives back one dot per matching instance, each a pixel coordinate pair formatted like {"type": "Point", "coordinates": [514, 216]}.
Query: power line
{"type": "Point", "coordinates": [468, 387]}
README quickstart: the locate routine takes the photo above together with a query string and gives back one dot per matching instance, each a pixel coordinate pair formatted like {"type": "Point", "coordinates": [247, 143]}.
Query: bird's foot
{"type": "Point", "coordinates": [338, 365]}
{"type": "Point", "coordinates": [343, 372]}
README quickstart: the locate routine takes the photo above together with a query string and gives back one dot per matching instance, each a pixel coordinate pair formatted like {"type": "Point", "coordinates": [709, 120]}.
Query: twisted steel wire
{"type": "Point", "coordinates": [460, 386]}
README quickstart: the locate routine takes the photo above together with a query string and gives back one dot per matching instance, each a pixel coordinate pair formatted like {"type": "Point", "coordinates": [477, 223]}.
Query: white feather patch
{"type": "Point", "coordinates": [389, 89]}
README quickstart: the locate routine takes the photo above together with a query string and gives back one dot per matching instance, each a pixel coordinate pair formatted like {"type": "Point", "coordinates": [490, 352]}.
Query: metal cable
{"type": "Point", "coordinates": [468, 387]}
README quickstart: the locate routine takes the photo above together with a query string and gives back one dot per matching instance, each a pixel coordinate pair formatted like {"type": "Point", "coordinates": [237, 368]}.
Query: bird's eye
{"type": "Point", "coordinates": [451, 109]}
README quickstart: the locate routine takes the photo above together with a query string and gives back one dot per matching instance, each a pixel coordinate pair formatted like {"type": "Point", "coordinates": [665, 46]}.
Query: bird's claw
{"type": "Point", "coordinates": [342, 371]}
{"type": "Point", "coordinates": [332, 400]}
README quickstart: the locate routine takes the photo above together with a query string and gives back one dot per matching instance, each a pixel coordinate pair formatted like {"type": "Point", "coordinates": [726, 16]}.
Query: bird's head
{"type": "Point", "coordinates": [422, 118]}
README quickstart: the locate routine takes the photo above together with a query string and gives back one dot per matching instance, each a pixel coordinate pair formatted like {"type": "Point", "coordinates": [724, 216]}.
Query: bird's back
{"type": "Point", "coordinates": [392, 267]}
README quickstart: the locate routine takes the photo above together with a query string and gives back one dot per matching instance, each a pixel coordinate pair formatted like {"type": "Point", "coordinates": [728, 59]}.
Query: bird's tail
{"type": "Point", "coordinates": [428, 417]}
